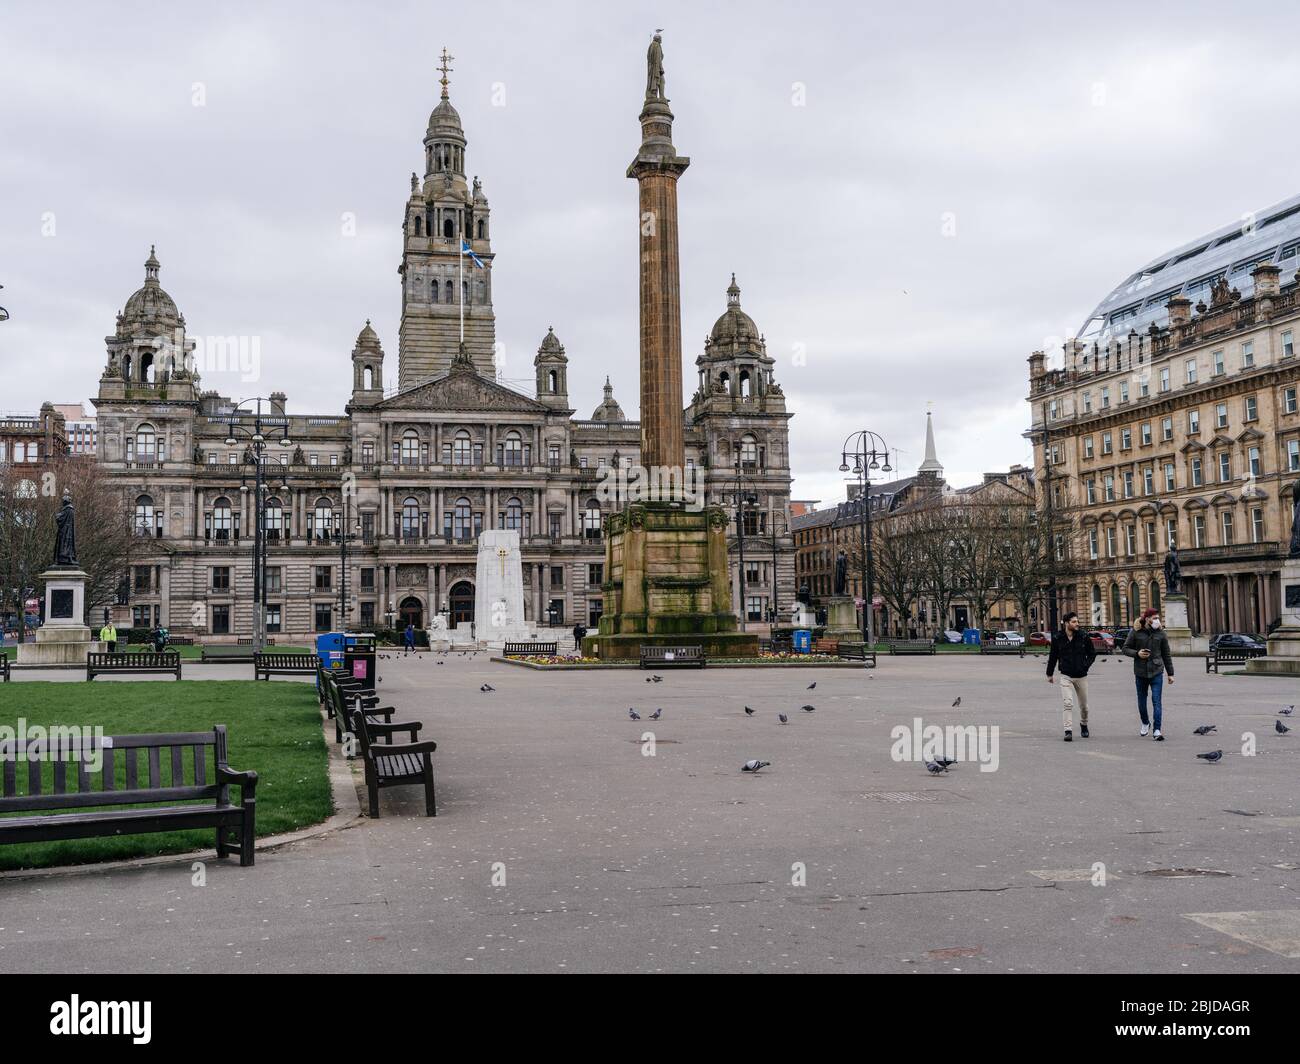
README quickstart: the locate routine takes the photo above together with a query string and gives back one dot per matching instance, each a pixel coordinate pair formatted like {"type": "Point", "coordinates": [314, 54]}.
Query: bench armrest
{"type": "Point", "coordinates": [412, 726]}
{"type": "Point", "coordinates": [245, 781]}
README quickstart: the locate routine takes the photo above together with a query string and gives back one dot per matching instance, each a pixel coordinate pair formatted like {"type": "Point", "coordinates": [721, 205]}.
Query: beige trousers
{"type": "Point", "coordinates": [1074, 687]}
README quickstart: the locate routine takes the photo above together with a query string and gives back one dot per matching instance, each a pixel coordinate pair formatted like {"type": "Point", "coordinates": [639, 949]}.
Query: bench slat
{"type": "Point", "coordinates": [33, 777]}
{"type": "Point", "coordinates": [155, 773]}
{"type": "Point", "coordinates": [200, 766]}
{"type": "Point", "coordinates": [132, 771]}
{"type": "Point", "coordinates": [11, 782]}
{"type": "Point", "coordinates": [60, 774]}
{"type": "Point", "coordinates": [178, 767]}
{"type": "Point", "coordinates": [92, 799]}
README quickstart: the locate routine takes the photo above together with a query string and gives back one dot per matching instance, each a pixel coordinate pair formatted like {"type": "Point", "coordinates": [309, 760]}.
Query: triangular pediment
{"type": "Point", "coordinates": [461, 390]}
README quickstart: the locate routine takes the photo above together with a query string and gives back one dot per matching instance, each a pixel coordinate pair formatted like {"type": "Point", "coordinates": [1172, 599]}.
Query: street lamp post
{"type": "Point", "coordinates": [256, 435]}
{"type": "Point", "coordinates": [867, 449]}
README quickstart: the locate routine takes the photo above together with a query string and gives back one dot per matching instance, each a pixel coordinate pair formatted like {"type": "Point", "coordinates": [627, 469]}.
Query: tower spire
{"type": "Point", "coordinates": [931, 463]}
{"type": "Point", "coordinates": [445, 67]}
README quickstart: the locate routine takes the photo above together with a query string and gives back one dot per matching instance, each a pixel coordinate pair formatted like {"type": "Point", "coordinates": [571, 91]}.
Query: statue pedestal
{"type": "Point", "coordinates": [1283, 658]}
{"type": "Point", "coordinates": [64, 638]}
{"type": "Point", "coordinates": [842, 619]}
{"type": "Point", "coordinates": [1181, 639]}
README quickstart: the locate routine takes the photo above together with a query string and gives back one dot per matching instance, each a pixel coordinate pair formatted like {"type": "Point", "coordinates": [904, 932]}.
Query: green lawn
{"type": "Point", "coordinates": [273, 729]}
{"type": "Point", "coordinates": [194, 653]}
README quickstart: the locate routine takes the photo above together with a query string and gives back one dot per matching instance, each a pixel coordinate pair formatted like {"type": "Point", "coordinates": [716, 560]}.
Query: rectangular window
{"type": "Point", "coordinates": [1198, 530]}
{"type": "Point", "coordinates": [1107, 444]}
{"type": "Point", "coordinates": [1087, 447]}
{"type": "Point", "coordinates": [1110, 488]}
{"type": "Point", "coordinates": [1288, 344]}
{"type": "Point", "coordinates": [1221, 415]}
{"type": "Point", "coordinates": [1257, 525]}
{"type": "Point", "coordinates": [221, 578]}
{"type": "Point", "coordinates": [1092, 544]}
{"type": "Point", "coordinates": [1169, 476]}
{"type": "Point", "coordinates": [1196, 472]}
{"type": "Point", "coordinates": [1218, 363]}
{"type": "Point", "coordinates": [221, 620]}
{"type": "Point", "coordinates": [1225, 468]}
{"type": "Point", "coordinates": [367, 579]}
{"type": "Point", "coordinates": [334, 459]}
{"type": "Point", "coordinates": [1164, 379]}
{"type": "Point", "coordinates": [272, 619]}
{"type": "Point", "coordinates": [1146, 434]}
{"type": "Point", "coordinates": [1110, 542]}
{"type": "Point", "coordinates": [1130, 540]}
{"type": "Point", "coordinates": [595, 574]}
{"type": "Point", "coordinates": [1148, 480]}
{"type": "Point", "coordinates": [1247, 355]}
{"type": "Point", "coordinates": [1125, 439]}
{"type": "Point", "coordinates": [1090, 486]}
{"type": "Point", "coordinates": [1167, 429]}
{"type": "Point", "coordinates": [1087, 402]}
{"type": "Point", "coordinates": [274, 580]}
{"type": "Point", "coordinates": [1144, 385]}
{"type": "Point", "coordinates": [1128, 483]}
{"type": "Point", "coordinates": [1293, 456]}
{"type": "Point", "coordinates": [1191, 370]}
{"type": "Point", "coordinates": [314, 459]}
{"type": "Point", "coordinates": [1289, 400]}
{"type": "Point", "coordinates": [1252, 461]}
{"type": "Point", "coordinates": [1151, 537]}
{"type": "Point", "coordinates": [1171, 533]}
{"type": "Point", "coordinates": [1227, 528]}
{"type": "Point", "coordinates": [1252, 408]}
{"type": "Point", "coordinates": [557, 576]}
{"type": "Point", "coordinates": [1123, 391]}
{"type": "Point", "coordinates": [367, 615]}
{"type": "Point", "coordinates": [323, 573]}
{"type": "Point", "coordinates": [1105, 398]}
{"type": "Point", "coordinates": [1193, 422]}
{"type": "Point", "coordinates": [324, 617]}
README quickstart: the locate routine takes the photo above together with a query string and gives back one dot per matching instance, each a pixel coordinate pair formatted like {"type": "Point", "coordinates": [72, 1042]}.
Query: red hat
{"type": "Point", "coordinates": [1148, 613]}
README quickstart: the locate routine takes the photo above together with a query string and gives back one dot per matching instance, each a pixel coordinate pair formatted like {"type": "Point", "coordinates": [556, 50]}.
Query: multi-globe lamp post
{"type": "Point", "coordinates": [256, 434]}
{"type": "Point", "coordinates": [866, 451]}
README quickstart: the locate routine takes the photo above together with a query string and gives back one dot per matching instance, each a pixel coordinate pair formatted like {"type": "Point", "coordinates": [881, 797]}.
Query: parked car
{"type": "Point", "coordinates": [1121, 637]}
{"type": "Point", "coordinates": [1251, 644]}
{"type": "Point", "coordinates": [1102, 642]}
{"type": "Point", "coordinates": [1010, 638]}
{"type": "Point", "coordinates": [949, 636]}
{"type": "Point", "coordinates": [1040, 639]}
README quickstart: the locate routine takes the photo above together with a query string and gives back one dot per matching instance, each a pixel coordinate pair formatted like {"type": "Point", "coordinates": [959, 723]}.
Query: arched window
{"type": "Point", "coordinates": [410, 447]}
{"type": "Point", "coordinates": [146, 368]}
{"type": "Point", "coordinates": [1134, 602]}
{"type": "Point", "coordinates": [1114, 604]}
{"type": "Point", "coordinates": [410, 517]}
{"type": "Point", "coordinates": [749, 453]}
{"type": "Point", "coordinates": [433, 291]}
{"type": "Point", "coordinates": [464, 292]}
{"type": "Point", "coordinates": [418, 224]}
{"type": "Point", "coordinates": [448, 231]}
{"type": "Point", "coordinates": [463, 522]}
{"type": "Point", "coordinates": [724, 378]}
{"type": "Point", "coordinates": [1155, 595]}
{"type": "Point", "coordinates": [514, 515]}
{"type": "Point", "coordinates": [144, 516]}
{"type": "Point", "coordinates": [322, 520]}
{"type": "Point", "coordinates": [591, 520]}
{"type": "Point", "coordinates": [144, 446]}
{"type": "Point", "coordinates": [273, 519]}
{"type": "Point", "coordinates": [480, 228]}
{"type": "Point", "coordinates": [513, 450]}
{"type": "Point", "coordinates": [222, 520]}
{"type": "Point", "coordinates": [552, 381]}
{"type": "Point", "coordinates": [367, 378]}
{"type": "Point", "coordinates": [1096, 604]}
{"type": "Point", "coordinates": [462, 451]}
{"type": "Point", "coordinates": [745, 390]}
{"type": "Point", "coordinates": [450, 292]}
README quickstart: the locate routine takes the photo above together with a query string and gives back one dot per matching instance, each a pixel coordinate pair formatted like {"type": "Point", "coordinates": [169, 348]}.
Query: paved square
{"type": "Point", "coordinates": [608, 859]}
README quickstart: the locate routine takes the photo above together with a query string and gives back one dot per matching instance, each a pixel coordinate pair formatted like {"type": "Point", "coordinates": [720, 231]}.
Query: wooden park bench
{"type": "Point", "coordinates": [235, 655]}
{"type": "Point", "coordinates": [266, 665]}
{"type": "Point", "coordinates": [826, 646]}
{"type": "Point", "coordinates": [1002, 648]}
{"type": "Point", "coordinates": [120, 785]}
{"type": "Point", "coordinates": [247, 641]}
{"type": "Point", "coordinates": [136, 661]}
{"type": "Point", "coordinates": [340, 702]}
{"type": "Point", "coordinates": [523, 650]}
{"type": "Point", "coordinates": [4, 667]}
{"type": "Point", "coordinates": [851, 651]}
{"type": "Point", "coordinates": [394, 764]}
{"type": "Point", "coordinates": [1228, 656]}
{"type": "Point", "coordinates": [911, 646]}
{"type": "Point", "coordinates": [667, 657]}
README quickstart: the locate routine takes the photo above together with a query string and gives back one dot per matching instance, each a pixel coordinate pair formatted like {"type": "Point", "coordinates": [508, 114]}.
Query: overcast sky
{"type": "Point", "coordinates": [832, 144]}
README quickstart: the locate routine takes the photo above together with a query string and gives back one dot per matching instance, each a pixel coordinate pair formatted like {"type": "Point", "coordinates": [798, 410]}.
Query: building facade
{"type": "Point", "coordinates": [33, 439]}
{"type": "Point", "coordinates": [1173, 422]}
{"type": "Point", "coordinates": [372, 514]}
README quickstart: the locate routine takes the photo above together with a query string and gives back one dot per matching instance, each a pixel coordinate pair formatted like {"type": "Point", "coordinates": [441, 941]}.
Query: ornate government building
{"type": "Point", "coordinates": [372, 515]}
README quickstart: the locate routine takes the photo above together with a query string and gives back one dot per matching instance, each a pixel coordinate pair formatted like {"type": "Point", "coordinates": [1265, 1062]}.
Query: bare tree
{"type": "Point", "coordinates": [936, 561]}
{"type": "Point", "coordinates": [976, 546]}
{"type": "Point", "coordinates": [1024, 551]}
{"type": "Point", "coordinates": [899, 573]}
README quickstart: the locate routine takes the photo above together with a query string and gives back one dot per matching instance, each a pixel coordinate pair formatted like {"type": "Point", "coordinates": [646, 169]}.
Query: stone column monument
{"type": "Point", "coordinates": [64, 638]}
{"type": "Point", "coordinates": [1283, 658]}
{"type": "Point", "coordinates": [667, 580]}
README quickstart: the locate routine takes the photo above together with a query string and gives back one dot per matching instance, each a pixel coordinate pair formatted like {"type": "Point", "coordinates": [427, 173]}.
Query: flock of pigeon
{"type": "Point", "coordinates": [1216, 755]}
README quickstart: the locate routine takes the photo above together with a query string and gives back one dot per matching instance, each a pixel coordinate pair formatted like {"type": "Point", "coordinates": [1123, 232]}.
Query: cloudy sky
{"type": "Point", "coordinates": [913, 197]}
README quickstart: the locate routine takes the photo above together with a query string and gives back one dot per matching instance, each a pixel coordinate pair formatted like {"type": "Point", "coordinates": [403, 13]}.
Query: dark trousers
{"type": "Point", "coordinates": [112, 646]}
{"type": "Point", "coordinates": [1156, 685]}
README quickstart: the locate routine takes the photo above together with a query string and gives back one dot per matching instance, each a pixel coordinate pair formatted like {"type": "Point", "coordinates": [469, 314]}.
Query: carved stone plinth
{"type": "Point", "coordinates": [1283, 658]}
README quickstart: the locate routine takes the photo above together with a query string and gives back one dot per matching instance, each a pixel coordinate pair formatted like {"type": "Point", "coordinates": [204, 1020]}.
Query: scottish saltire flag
{"type": "Point", "coordinates": [465, 248]}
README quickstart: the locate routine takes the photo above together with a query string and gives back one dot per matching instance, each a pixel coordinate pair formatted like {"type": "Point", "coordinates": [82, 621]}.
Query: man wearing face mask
{"type": "Point", "coordinates": [1148, 646]}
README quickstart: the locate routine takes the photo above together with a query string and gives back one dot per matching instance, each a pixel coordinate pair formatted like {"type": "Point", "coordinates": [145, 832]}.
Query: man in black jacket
{"type": "Point", "coordinates": [1073, 651]}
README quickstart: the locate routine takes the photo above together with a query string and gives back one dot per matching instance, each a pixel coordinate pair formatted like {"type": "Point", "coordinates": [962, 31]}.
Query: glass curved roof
{"type": "Point", "coordinates": [1271, 235]}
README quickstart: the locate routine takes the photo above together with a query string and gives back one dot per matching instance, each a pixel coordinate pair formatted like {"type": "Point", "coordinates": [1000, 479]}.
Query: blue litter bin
{"type": "Point", "coordinates": [802, 642]}
{"type": "Point", "coordinates": [971, 637]}
{"type": "Point", "coordinates": [329, 648]}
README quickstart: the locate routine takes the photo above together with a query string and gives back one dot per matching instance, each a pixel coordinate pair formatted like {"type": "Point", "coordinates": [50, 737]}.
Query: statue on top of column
{"type": "Point", "coordinates": [654, 82]}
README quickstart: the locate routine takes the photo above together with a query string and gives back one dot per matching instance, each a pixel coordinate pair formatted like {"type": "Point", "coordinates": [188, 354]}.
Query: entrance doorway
{"type": "Point", "coordinates": [411, 612]}
{"type": "Point", "coordinates": [461, 602]}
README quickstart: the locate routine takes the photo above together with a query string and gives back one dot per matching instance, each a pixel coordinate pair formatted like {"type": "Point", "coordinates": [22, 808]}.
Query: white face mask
{"type": "Point", "coordinates": [1154, 622]}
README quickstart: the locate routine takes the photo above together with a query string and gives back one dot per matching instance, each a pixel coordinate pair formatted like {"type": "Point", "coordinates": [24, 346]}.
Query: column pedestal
{"type": "Point", "coordinates": [1283, 658]}
{"type": "Point", "coordinates": [64, 638]}
{"type": "Point", "coordinates": [1181, 639]}
{"type": "Point", "coordinates": [842, 620]}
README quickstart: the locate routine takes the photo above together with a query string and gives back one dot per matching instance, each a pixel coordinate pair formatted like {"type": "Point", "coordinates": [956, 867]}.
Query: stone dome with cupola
{"type": "Point", "coordinates": [735, 326]}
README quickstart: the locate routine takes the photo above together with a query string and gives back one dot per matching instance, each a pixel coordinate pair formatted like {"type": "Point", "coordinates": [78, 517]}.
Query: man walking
{"type": "Point", "coordinates": [1148, 646]}
{"type": "Point", "coordinates": [1073, 651]}
{"type": "Point", "coordinates": [410, 637]}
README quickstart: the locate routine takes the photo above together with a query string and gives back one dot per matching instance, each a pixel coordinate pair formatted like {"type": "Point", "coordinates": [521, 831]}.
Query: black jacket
{"type": "Point", "coordinates": [1154, 640]}
{"type": "Point", "coordinates": [1074, 655]}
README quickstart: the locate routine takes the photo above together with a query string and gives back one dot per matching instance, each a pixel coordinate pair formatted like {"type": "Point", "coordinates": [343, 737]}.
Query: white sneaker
{"type": "Point", "coordinates": [1145, 728]}
{"type": "Point", "coordinates": [1158, 737]}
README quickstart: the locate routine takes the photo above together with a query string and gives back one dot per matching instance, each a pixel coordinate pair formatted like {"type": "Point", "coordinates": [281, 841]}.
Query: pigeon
{"type": "Point", "coordinates": [945, 761]}
{"type": "Point", "coordinates": [958, 701]}
{"type": "Point", "coordinates": [1286, 711]}
{"type": "Point", "coordinates": [1212, 756]}
{"type": "Point", "coordinates": [935, 768]}
{"type": "Point", "coordinates": [783, 718]}
{"type": "Point", "coordinates": [656, 713]}
{"type": "Point", "coordinates": [1205, 729]}
{"type": "Point", "coordinates": [487, 687]}
{"type": "Point", "coordinates": [807, 709]}
{"type": "Point", "coordinates": [754, 766]}
{"type": "Point", "coordinates": [1282, 729]}
{"type": "Point", "coordinates": [633, 714]}
{"type": "Point", "coordinates": [748, 712]}
{"type": "Point", "coordinates": [656, 679]}
{"type": "Point", "coordinates": [812, 685]}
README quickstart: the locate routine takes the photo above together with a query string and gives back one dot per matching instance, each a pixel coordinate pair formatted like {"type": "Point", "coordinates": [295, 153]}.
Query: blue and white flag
{"type": "Point", "coordinates": [465, 249]}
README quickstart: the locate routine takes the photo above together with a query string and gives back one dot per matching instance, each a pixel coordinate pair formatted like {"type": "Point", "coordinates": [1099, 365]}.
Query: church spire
{"type": "Point", "coordinates": [931, 463]}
